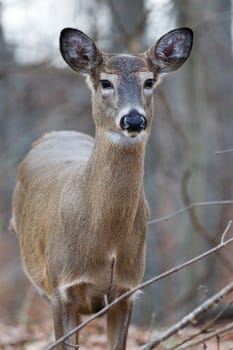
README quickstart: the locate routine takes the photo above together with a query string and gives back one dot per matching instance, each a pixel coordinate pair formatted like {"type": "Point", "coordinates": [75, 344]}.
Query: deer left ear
{"type": "Point", "coordinates": [171, 50]}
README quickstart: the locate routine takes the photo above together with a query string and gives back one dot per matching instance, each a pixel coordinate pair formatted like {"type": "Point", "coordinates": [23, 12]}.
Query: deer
{"type": "Point", "coordinates": [79, 209]}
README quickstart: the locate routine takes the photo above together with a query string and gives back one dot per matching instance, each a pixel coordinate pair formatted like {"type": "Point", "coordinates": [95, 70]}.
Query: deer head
{"type": "Point", "coordinates": [122, 85]}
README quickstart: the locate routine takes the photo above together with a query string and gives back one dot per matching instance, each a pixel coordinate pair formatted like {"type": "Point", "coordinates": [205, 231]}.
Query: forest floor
{"type": "Point", "coordinates": [30, 328]}
{"type": "Point", "coordinates": [39, 336]}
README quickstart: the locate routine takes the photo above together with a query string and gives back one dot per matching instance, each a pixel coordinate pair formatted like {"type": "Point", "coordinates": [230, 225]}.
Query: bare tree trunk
{"type": "Point", "coordinates": [128, 25]}
{"type": "Point", "coordinates": [208, 87]}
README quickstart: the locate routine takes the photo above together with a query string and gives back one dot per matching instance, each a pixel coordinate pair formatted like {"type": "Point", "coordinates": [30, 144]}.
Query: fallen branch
{"type": "Point", "coordinates": [202, 330]}
{"type": "Point", "coordinates": [188, 207]}
{"type": "Point", "coordinates": [221, 331]}
{"type": "Point", "coordinates": [190, 318]}
{"type": "Point", "coordinates": [145, 284]}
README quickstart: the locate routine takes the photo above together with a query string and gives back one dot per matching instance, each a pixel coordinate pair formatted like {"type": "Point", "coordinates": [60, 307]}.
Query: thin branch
{"type": "Point", "coordinates": [226, 231]}
{"type": "Point", "coordinates": [188, 207]}
{"type": "Point", "coordinates": [151, 325]}
{"type": "Point", "coordinates": [222, 331]}
{"type": "Point", "coordinates": [228, 150]}
{"type": "Point", "coordinates": [71, 345]}
{"type": "Point", "coordinates": [145, 284]}
{"type": "Point", "coordinates": [197, 225]}
{"type": "Point", "coordinates": [192, 316]}
{"type": "Point", "coordinates": [202, 330]}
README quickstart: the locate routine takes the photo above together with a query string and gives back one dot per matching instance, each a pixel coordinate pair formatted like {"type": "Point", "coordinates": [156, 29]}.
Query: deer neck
{"type": "Point", "coordinates": [115, 183]}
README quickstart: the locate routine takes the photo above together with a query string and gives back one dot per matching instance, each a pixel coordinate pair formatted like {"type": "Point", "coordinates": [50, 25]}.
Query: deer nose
{"type": "Point", "coordinates": [133, 122]}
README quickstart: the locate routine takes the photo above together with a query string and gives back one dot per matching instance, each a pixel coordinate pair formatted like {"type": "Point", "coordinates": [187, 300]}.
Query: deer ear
{"type": "Point", "coordinates": [79, 51]}
{"type": "Point", "coordinates": [171, 50]}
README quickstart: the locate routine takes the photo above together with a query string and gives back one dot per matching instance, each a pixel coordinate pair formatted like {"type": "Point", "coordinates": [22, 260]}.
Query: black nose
{"type": "Point", "coordinates": [133, 122]}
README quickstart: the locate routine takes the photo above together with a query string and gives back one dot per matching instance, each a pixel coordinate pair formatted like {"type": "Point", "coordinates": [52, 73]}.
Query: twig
{"type": "Point", "coordinates": [188, 207]}
{"type": "Point", "coordinates": [151, 326]}
{"type": "Point", "coordinates": [226, 231]}
{"type": "Point", "coordinates": [202, 330]}
{"type": "Point", "coordinates": [192, 316]}
{"type": "Point", "coordinates": [141, 286]}
{"type": "Point", "coordinates": [224, 151]}
{"type": "Point", "coordinates": [197, 225]}
{"type": "Point", "coordinates": [222, 331]}
{"type": "Point", "coordinates": [71, 345]}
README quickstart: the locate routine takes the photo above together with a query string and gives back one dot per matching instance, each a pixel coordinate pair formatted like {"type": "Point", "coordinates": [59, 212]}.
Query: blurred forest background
{"type": "Point", "coordinates": [193, 120]}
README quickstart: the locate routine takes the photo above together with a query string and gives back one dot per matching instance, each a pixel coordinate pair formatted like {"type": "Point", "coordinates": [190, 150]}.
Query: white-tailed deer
{"type": "Point", "coordinates": [79, 209]}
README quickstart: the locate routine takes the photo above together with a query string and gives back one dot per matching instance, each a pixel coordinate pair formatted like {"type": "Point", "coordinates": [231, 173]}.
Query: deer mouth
{"type": "Point", "coordinates": [132, 134]}
{"type": "Point", "coordinates": [126, 138]}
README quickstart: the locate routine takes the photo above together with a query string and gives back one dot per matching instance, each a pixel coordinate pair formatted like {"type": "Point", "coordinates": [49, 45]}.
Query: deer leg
{"type": "Point", "coordinates": [65, 318]}
{"type": "Point", "coordinates": [71, 320]}
{"type": "Point", "coordinates": [58, 321]}
{"type": "Point", "coordinates": [78, 321]}
{"type": "Point", "coordinates": [117, 325]}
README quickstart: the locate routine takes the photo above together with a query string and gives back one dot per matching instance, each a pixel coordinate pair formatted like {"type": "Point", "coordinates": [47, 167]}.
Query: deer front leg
{"type": "Point", "coordinates": [117, 325]}
{"type": "Point", "coordinates": [58, 321]}
{"type": "Point", "coordinates": [65, 318]}
{"type": "Point", "coordinates": [71, 320]}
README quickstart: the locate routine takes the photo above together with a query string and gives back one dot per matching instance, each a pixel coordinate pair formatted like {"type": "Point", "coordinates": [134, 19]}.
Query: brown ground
{"type": "Point", "coordinates": [33, 331]}
{"type": "Point", "coordinates": [39, 336]}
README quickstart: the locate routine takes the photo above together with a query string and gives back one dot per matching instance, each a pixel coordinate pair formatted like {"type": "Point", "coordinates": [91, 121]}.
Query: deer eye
{"type": "Point", "coordinates": [148, 84]}
{"type": "Point", "coordinates": [106, 84]}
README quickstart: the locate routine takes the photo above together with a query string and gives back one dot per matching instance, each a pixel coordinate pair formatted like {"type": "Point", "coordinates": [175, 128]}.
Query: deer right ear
{"type": "Point", "coordinates": [79, 51]}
